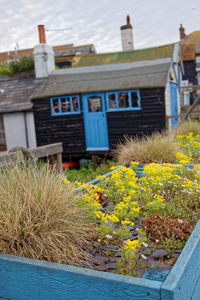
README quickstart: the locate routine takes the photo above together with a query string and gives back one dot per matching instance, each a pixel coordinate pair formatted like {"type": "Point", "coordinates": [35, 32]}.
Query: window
{"type": "Point", "coordinates": [94, 104]}
{"type": "Point", "coordinates": [65, 105]}
{"type": "Point", "coordinates": [123, 100]}
{"type": "Point", "coordinates": [2, 135]}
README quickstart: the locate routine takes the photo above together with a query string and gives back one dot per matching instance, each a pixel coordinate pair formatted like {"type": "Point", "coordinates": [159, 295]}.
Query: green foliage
{"type": "Point", "coordinates": [23, 64]}
{"type": "Point", "coordinates": [173, 244]}
{"type": "Point", "coordinates": [87, 173]}
{"type": "Point", "coordinates": [5, 70]}
{"type": "Point", "coordinates": [103, 230]}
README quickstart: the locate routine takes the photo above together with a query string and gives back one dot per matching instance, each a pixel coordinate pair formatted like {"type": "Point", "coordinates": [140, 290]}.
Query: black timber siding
{"type": "Point", "coordinates": [190, 72]}
{"type": "Point", "coordinates": [68, 129]}
{"type": "Point", "coordinates": [151, 118]}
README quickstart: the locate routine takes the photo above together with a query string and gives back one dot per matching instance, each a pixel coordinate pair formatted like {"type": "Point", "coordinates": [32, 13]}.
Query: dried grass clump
{"type": "Point", "coordinates": [158, 148]}
{"type": "Point", "coordinates": [186, 127]}
{"type": "Point", "coordinates": [39, 216]}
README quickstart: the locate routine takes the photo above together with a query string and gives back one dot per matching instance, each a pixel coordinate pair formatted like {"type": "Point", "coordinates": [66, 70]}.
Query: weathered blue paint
{"type": "Point", "coordinates": [26, 279]}
{"type": "Point", "coordinates": [183, 281]}
{"type": "Point", "coordinates": [156, 274]}
{"type": "Point", "coordinates": [95, 123]}
{"type": "Point", "coordinates": [60, 113]}
{"type": "Point", "coordinates": [174, 103]}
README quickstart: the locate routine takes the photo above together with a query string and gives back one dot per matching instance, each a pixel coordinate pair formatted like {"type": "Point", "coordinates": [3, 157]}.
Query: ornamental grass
{"type": "Point", "coordinates": [186, 127]}
{"type": "Point", "coordinates": [158, 148]}
{"type": "Point", "coordinates": [40, 217]}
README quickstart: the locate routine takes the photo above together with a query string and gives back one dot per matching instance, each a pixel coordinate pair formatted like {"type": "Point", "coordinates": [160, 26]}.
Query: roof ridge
{"type": "Point", "coordinates": [129, 51]}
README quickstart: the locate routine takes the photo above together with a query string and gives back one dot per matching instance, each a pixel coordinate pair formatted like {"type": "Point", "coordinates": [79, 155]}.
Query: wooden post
{"type": "Point", "coordinates": [57, 160]}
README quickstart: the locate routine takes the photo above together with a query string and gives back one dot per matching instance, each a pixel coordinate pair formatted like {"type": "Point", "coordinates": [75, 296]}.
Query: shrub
{"type": "Point", "coordinates": [23, 64]}
{"type": "Point", "coordinates": [186, 127]}
{"type": "Point", "coordinates": [40, 217]}
{"type": "Point", "coordinates": [157, 148]}
{"type": "Point", "coordinates": [5, 70]}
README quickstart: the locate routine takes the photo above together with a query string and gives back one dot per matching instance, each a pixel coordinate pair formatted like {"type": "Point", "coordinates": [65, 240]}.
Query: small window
{"type": "Point", "coordinates": [94, 104]}
{"type": "Point", "coordinates": [123, 100]}
{"type": "Point", "coordinates": [111, 100]}
{"type": "Point", "coordinates": [65, 105]}
{"type": "Point", "coordinates": [134, 99]}
{"type": "Point", "coordinates": [55, 108]}
{"type": "Point", "coordinates": [2, 135]}
{"type": "Point", "coordinates": [75, 104]}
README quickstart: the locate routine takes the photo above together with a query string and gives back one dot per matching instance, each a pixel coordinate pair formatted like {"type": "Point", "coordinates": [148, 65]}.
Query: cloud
{"type": "Point", "coordinates": [154, 22]}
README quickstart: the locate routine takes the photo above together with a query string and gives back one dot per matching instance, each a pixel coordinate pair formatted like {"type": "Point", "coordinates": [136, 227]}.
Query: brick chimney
{"type": "Point", "coordinates": [42, 37]}
{"type": "Point", "coordinates": [43, 56]}
{"type": "Point", "coordinates": [182, 32]}
{"type": "Point", "coordinates": [127, 35]}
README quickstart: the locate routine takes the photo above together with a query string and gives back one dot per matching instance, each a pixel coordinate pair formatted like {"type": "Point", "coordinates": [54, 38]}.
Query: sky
{"type": "Point", "coordinates": [155, 22]}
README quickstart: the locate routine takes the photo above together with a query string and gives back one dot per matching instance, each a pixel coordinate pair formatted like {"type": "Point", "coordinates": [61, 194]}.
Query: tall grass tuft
{"type": "Point", "coordinates": [186, 127]}
{"type": "Point", "coordinates": [158, 148]}
{"type": "Point", "coordinates": [40, 217]}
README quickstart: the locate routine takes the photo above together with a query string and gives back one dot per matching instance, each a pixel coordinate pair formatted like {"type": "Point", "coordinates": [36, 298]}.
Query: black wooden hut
{"type": "Point", "coordinates": [91, 108]}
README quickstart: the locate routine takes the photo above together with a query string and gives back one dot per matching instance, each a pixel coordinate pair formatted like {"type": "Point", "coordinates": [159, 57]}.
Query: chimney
{"type": "Point", "coordinates": [182, 32]}
{"type": "Point", "coordinates": [44, 60]}
{"type": "Point", "coordinates": [127, 35]}
{"type": "Point", "coordinates": [41, 31]}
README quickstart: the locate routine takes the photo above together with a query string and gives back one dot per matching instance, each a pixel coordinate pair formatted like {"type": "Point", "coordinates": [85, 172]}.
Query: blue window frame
{"type": "Point", "coordinates": [65, 105]}
{"type": "Point", "coordinates": [123, 100]}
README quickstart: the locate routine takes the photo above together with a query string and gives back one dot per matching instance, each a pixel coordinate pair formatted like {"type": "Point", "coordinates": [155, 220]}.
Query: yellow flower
{"type": "Point", "coordinates": [131, 245]}
{"type": "Point", "coordinates": [127, 222]}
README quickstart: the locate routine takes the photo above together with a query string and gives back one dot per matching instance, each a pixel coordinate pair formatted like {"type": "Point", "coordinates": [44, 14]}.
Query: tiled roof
{"type": "Point", "coordinates": [188, 52]}
{"type": "Point", "coordinates": [190, 46]}
{"type": "Point", "coordinates": [15, 92]}
{"type": "Point", "coordinates": [62, 50]}
{"type": "Point", "coordinates": [125, 56]}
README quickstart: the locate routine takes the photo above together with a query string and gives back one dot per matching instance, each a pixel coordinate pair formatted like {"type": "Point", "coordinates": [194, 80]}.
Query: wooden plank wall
{"type": "Point", "coordinates": [183, 281]}
{"type": "Point", "coordinates": [190, 71]}
{"type": "Point", "coordinates": [26, 279]}
{"type": "Point", "coordinates": [151, 117]}
{"type": "Point", "coordinates": [69, 129]}
{"type": "Point", "coordinates": [66, 129]}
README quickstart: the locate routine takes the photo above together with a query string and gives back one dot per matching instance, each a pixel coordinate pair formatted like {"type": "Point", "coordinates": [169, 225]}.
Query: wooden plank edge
{"type": "Point", "coordinates": [182, 279]}
{"type": "Point", "coordinates": [23, 278]}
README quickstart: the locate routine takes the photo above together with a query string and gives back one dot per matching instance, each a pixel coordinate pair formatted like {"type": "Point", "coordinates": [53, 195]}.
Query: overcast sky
{"type": "Point", "coordinates": [155, 22]}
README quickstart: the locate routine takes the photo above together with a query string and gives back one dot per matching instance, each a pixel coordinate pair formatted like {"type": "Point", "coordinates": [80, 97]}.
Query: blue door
{"type": "Point", "coordinates": [95, 122]}
{"type": "Point", "coordinates": [174, 103]}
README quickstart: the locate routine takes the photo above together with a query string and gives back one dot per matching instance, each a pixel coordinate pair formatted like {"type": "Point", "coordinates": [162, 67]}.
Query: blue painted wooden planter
{"type": "Point", "coordinates": [27, 279]}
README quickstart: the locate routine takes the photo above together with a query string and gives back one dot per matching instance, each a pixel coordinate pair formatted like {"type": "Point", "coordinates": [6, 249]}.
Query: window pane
{"type": "Point", "coordinates": [75, 104]}
{"type": "Point", "coordinates": [123, 100]}
{"type": "Point", "coordinates": [2, 135]}
{"type": "Point", "coordinates": [94, 104]}
{"type": "Point", "coordinates": [65, 104]}
{"type": "Point", "coordinates": [134, 99]}
{"type": "Point", "coordinates": [55, 106]}
{"type": "Point", "coordinates": [111, 99]}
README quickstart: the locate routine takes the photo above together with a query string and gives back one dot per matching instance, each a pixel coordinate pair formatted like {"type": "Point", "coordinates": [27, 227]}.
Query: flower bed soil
{"type": "Point", "coordinates": [159, 238]}
{"type": "Point", "coordinates": [105, 254]}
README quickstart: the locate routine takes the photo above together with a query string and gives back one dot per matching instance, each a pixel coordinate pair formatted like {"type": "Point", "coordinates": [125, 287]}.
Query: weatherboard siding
{"type": "Point", "coordinates": [149, 119]}
{"type": "Point", "coordinates": [68, 129]}
{"type": "Point", "coordinates": [190, 72]}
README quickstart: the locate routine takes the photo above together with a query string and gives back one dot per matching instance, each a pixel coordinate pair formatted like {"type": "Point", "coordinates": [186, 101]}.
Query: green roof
{"type": "Point", "coordinates": [125, 56]}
